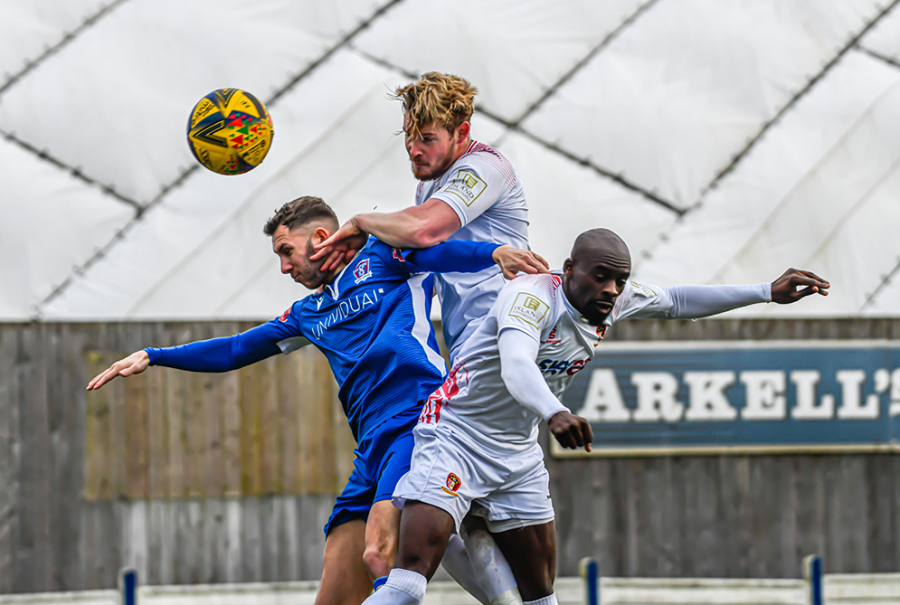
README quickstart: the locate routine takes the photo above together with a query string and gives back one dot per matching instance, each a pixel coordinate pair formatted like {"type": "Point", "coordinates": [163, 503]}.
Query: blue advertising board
{"type": "Point", "coordinates": [740, 397]}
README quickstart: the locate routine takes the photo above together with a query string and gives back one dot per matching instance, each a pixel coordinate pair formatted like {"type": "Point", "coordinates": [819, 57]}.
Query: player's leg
{"type": "Point", "coordinates": [392, 447]}
{"type": "Point", "coordinates": [382, 530]}
{"type": "Point", "coordinates": [520, 516]}
{"type": "Point", "coordinates": [531, 553]}
{"type": "Point", "coordinates": [345, 579]}
{"type": "Point", "coordinates": [488, 564]}
{"type": "Point", "coordinates": [424, 533]}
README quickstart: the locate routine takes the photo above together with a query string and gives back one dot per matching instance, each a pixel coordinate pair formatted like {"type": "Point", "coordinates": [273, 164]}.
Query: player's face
{"type": "Point", "coordinates": [433, 151]}
{"type": "Point", "coordinates": [294, 249]}
{"type": "Point", "coordinates": [594, 282]}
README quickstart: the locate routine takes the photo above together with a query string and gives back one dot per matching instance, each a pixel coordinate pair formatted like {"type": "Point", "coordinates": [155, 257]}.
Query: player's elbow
{"type": "Point", "coordinates": [426, 237]}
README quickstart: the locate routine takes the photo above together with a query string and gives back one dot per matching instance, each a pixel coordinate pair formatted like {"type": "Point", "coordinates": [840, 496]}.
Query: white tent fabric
{"type": "Point", "coordinates": [725, 141]}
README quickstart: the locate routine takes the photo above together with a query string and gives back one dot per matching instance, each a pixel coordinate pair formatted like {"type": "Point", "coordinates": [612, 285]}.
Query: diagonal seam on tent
{"type": "Point", "coordinates": [74, 170]}
{"type": "Point", "coordinates": [816, 168]}
{"type": "Point", "coordinates": [793, 101]}
{"type": "Point", "coordinates": [584, 61]}
{"type": "Point", "coordinates": [879, 56]}
{"type": "Point", "coordinates": [650, 195]}
{"type": "Point", "coordinates": [66, 40]}
{"type": "Point", "coordinates": [885, 281]}
{"type": "Point", "coordinates": [345, 41]}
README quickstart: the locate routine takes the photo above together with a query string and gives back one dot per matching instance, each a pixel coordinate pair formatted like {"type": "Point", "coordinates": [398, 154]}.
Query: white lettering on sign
{"type": "Point", "coordinates": [805, 408]}
{"type": "Point", "coordinates": [603, 402]}
{"type": "Point", "coordinates": [764, 396]}
{"type": "Point", "coordinates": [851, 404]}
{"type": "Point", "coordinates": [706, 394]}
{"type": "Point", "coordinates": [656, 397]}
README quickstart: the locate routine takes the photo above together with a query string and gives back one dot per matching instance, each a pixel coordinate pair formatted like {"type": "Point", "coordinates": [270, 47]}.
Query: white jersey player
{"type": "Point", "coordinates": [484, 190]}
{"type": "Point", "coordinates": [467, 191]}
{"type": "Point", "coordinates": [476, 441]}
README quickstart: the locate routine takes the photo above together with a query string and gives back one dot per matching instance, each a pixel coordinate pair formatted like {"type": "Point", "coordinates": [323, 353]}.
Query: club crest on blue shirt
{"type": "Point", "coordinates": [362, 272]}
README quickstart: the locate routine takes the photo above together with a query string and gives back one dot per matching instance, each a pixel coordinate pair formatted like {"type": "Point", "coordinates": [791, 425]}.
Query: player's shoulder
{"type": "Point", "coordinates": [486, 162]}
{"type": "Point", "coordinates": [545, 286]}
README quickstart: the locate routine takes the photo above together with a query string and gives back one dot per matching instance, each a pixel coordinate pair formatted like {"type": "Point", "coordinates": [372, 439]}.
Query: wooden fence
{"type": "Point", "coordinates": [196, 478]}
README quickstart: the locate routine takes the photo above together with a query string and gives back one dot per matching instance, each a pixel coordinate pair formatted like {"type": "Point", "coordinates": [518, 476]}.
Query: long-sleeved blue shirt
{"type": "Point", "coordinates": [371, 322]}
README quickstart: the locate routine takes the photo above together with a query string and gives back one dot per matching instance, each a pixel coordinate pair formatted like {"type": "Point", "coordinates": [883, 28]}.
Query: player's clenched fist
{"type": "Point", "coordinates": [571, 431]}
{"type": "Point", "coordinates": [133, 364]}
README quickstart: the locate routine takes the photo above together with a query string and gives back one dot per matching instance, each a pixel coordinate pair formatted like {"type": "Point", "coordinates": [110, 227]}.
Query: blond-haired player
{"type": "Point", "coordinates": [467, 191]}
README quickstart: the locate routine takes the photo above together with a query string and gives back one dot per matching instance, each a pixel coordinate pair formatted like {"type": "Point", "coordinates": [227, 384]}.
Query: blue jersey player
{"type": "Point", "coordinates": [370, 317]}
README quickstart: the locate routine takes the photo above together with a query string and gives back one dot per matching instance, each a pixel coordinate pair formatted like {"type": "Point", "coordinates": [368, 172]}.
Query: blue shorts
{"type": "Point", "coordinates": [382, 457]}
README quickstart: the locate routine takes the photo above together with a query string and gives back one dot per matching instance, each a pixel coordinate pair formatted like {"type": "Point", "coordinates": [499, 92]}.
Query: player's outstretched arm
{"type": "Point", "coordinates": [795, 284]}
{"type": "Point", "coordinates": [214, 355]}
{"type": "Point", "coordinates": [523, 380]}
{"type": "Point", "coordinates": [135, 363]}
{"type": "Point", "coordinates": [461, 256]}
{"type": "Point", "coordinates": [415, 227]}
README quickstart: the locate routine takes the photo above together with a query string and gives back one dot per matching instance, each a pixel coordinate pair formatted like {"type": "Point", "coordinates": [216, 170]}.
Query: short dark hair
{"type": "Point", "coordinates": [299, 212]}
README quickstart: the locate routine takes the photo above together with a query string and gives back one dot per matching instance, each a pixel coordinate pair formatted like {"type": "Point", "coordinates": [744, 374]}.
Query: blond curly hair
{"type": "Point", "coordinates": [443, 98]}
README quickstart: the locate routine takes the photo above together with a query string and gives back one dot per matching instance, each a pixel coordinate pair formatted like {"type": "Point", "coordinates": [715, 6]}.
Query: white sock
{"type": "Point", "coordinates": [456, 562]}
{"type": "Point", "coordinates": [402, 588]}
{"type": "Point", "coordinates": [490, 566]}
{"type": "Point", "coordinates": [548, 600]}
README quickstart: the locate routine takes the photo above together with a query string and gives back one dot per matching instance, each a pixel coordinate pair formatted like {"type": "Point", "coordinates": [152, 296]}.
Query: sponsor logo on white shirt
{"type": "Point", "coordinates": [467, 186]}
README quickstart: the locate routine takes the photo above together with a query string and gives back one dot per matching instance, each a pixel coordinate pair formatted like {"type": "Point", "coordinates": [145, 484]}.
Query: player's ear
{"type": "Point", "coordinates": [320, 235]}
{"type": "Point", "coordinates": [463, 131]}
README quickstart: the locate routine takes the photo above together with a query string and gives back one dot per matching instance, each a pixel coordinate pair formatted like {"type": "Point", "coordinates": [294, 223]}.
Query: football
{"type": "Point", "coordinates": [230, 131]}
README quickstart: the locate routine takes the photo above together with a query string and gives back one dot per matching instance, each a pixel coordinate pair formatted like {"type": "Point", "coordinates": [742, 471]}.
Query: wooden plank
{"type": "Point", "coordinates": [135, 543]}
{"type": "Point", "coordinates": [251, 540]}
{"type": "Point", "coordinates": [271, 428]}
{"type": "Point", "coordinates": [160, 538]}
{"type": "Point", "coordinates": [177, 396]}
{"type": "Point", "coordinates": [211, 412]}
{"type": "Point", "coordinates": [9, 455]}
{"type": "Point", "coordinates": [100, 546]}
{"type": "Point", "coordinates": [848, 520]}
{"type": "Point", "coordinates": [289, 545]}
{"type": "Point", "coordinates": [33, 560]}
{"type": "Point", "coordinates": [810, 512]}
{"type": "Point", "coordinates": [214, 541]}
{"type": "Point", "coordinates": [313, 511]}
{"type": "Point", "coordinates": [136, 459]}
{"type": "Point", "coordinates": [228, 396]}
{"type": "Point", "coordinates": [66, 399]}
{"type": "Point", "coordinates": [252, 385]}
{"type": "Point", "coordinates": [702, 550]}
{"type": "Point", "coordinates": [736, 518]}
{"type": "Point", "coordinates": [234, 546]}
{"type": "Point", "coordinates": [289, 401]}
{"type": "Point", "coordinates": [880, 497]}
{"type": "Point", "coordinates": [270, 546]}
{"type": "Point", "coordinates": [158, 470]}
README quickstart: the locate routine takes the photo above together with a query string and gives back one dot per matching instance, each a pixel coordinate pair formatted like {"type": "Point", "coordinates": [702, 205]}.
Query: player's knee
{"type": "Point", "coordinates": [379, 558]}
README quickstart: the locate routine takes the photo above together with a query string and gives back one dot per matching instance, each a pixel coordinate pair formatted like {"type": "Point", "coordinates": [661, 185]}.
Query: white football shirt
{"type": "Point", "coordinates": [485, 191]}
{"type": "Point", "coordinates": [474, 399]}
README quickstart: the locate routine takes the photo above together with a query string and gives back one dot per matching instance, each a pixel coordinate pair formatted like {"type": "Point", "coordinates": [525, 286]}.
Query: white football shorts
{"type": "Point", "coordinates": [455, 474]}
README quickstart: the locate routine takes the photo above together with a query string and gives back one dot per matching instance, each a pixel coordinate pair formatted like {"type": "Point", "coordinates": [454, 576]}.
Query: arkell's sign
{"type": "Point", "coordinates": [740, 397]}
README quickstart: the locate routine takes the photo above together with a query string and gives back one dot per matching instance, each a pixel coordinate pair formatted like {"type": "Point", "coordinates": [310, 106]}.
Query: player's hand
{"type": "Point", "coordinates": [133, 364]}
{"type": "Point", "coordinates": [340, 247]}
{"type": "Point", "coordinates": [795, 284]}
{"type": "Point", "coordinates": [513, 260]}
{"type": "Point", "coordinates": [571, 431]}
